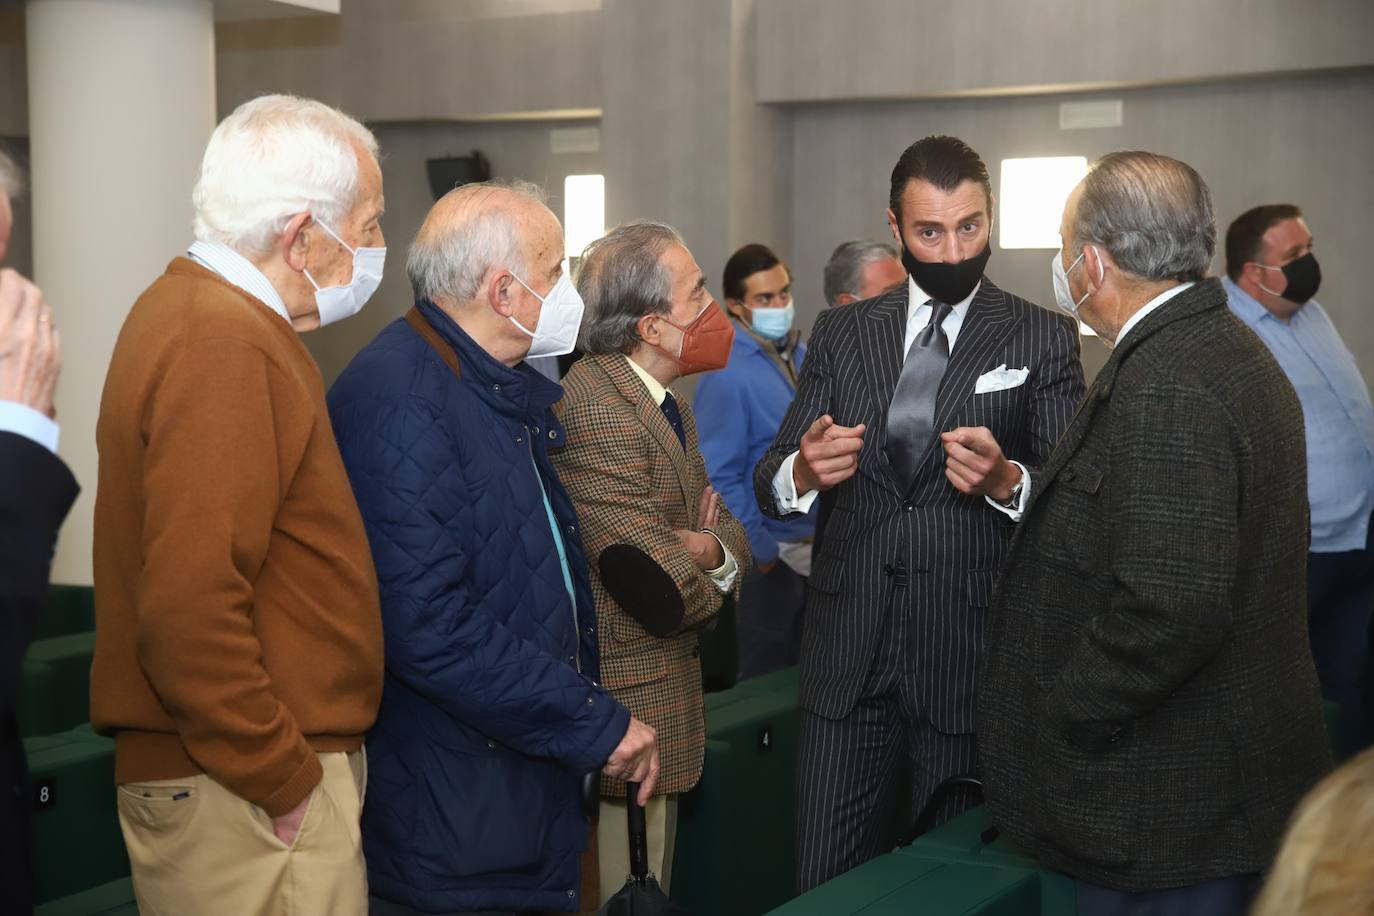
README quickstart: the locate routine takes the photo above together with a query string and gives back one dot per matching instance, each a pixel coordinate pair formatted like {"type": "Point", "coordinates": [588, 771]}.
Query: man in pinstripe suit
{"type": "Point", "coordinates": [920, 419]}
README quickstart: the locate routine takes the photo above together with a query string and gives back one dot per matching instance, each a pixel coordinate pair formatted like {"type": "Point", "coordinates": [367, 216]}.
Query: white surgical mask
{"type": "Point", "coordinates": [559, 319]}
{"type": "Point", "coordinates": [1060, 277]}
{"type": "Point", "coordinates": [335, 303]}
{"type": "Point", "coordinates": [775, 323]}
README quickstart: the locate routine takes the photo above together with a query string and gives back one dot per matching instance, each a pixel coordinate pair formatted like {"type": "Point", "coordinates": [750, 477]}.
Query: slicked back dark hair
{"type": "Point", "coordinates": [945, 162]}
{"type": "Point", "coordinates": [1245, 236]}
{"type": "Point", "coordinates": [743, 264]}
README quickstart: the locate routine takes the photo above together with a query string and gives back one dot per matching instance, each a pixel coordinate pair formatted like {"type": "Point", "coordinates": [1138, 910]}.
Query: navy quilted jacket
{"type": "Point", "coordinates": [486, 723]}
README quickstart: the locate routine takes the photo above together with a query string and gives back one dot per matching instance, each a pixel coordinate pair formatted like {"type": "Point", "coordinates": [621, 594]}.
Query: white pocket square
{"type": "Point", "coordinates": [1000, 379]}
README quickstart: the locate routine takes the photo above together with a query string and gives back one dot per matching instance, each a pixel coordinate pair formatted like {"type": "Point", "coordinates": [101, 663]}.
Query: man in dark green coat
{"type": "Point", "coordinates": [1148, 708]}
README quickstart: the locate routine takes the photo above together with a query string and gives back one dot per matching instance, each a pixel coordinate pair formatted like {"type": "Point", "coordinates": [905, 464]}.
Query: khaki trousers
{"type": "Point", "coordinates": [197, 849]}
{"type": "Point", "coordinates": [613, 842]}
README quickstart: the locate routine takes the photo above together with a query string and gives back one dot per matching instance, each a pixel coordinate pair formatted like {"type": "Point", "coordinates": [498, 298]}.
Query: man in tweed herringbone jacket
{"type": "Point", "coordinates": [1148, 709]}
{"type": "Point", "coordinates": [636, 478]}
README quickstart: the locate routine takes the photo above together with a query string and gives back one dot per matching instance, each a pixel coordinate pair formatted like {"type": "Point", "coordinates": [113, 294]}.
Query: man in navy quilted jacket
{"type": "Point", "coordinates": [492, 710]}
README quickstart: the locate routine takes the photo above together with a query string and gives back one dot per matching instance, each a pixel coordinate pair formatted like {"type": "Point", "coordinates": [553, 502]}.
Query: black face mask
{"type": "Point", "coordinates": [1304, 278]}
{"type": "Point", "coordinates": [948, 283]}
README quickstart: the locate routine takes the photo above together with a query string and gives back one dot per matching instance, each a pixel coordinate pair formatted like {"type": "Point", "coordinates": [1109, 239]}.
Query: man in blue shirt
{"type": "Point", "coordinates": [1272, 276]}
{"type": "Point", "coordinates": [739, 410]}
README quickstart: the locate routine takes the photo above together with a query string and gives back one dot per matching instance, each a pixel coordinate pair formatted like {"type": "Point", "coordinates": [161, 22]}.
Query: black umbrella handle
{"type": "Point", "coordinates": [639, 833]}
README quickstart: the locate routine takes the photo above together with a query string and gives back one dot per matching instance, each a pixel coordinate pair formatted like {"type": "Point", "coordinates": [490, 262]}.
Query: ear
{"type": "Point", "coordinates": [736, 307]}
{"type": "Point", "coordinates": [1096, 261]}
{"type": "Point", "coordinates": [498, 287]}
{"type": "Point", "coordinates": [896, 229]}
{"type": "Point", "coordinates": [293, 243]}
{"type": "Point", "coordinates": [650, 329]}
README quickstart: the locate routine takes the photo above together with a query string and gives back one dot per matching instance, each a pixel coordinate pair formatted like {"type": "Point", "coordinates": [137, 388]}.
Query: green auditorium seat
{"type": "Point", "coordinates": [76, 827]}
{"type": "Point", "coordinates": [113, 899]}
{"type": "Point", "coordinates": [894, 885]}
{"type": "Point", "coordinates": [70, 609]}
{"type": "Point", "coordinates": [37, 712]}
{"type": "Point", "coordinates": [733, 849]}
{"type": "Point", "coordinates": [962, 840]}
{"type": "Point", "coordinates": [59, 695]}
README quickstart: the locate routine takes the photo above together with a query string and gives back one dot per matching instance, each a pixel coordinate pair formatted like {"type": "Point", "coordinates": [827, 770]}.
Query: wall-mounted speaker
{"type": "Point", "coordinates": [455, 171]}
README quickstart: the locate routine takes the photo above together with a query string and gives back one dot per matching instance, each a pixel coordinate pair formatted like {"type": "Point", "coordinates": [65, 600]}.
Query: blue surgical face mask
{"type": "Point", "coordinates": [775, 324]}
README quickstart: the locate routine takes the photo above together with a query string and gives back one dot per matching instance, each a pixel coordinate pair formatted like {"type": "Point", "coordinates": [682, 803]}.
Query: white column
{"type": "Point", "coordinates": [121, 104]}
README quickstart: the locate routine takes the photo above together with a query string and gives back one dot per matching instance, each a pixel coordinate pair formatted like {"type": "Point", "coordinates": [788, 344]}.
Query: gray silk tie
{"type": "Point", "coordinates": [911, 416]}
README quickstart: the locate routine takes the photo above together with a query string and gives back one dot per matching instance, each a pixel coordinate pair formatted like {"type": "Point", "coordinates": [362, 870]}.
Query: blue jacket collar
{"type": "Point", "coordinates": [518, 392]}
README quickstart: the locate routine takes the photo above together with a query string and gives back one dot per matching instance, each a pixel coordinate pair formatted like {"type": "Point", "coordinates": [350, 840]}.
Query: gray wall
{"type": "Point", "coordinates": [1305, 141]}
{"type": "Point", "coordinates": [516, 150]}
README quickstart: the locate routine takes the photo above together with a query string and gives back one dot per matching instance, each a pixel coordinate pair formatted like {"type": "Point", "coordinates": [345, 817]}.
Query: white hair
{"type": "Point", "coordinates": [451, 260]}
{"type": "Point", "coordinates": [273, 158]}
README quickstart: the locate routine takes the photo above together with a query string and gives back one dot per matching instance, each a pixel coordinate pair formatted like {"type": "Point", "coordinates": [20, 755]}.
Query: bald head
{"type": "Point", "coordinates": [477, 228]}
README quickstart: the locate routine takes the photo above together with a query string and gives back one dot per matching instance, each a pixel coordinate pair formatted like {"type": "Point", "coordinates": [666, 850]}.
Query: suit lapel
{"type": "Point", "coordinates": [988, 322]}
{"type": "Point", "coordinates": [881, 332]}
{"type": "Point", "coordinates": [651, 415]}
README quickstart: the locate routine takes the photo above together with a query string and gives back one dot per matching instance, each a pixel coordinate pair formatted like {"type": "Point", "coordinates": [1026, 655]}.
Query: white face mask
{"type": "Point", "coordinates": [335, 303]}
{"type": "Point", "coordinates": [1060, 277]}
{"type": "Point", "coordinates": [559, 319]}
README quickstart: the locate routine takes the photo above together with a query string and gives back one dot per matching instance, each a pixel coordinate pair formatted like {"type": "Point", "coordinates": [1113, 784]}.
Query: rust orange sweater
{"type": "Point", "coordinates": [237, 620]}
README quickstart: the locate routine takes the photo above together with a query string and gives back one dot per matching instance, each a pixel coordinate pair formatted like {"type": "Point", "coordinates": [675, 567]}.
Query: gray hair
{"type": "Point", "coordinates": [11, 177]}
{"type": "Point", "coordinates": [1153, 213]}
{"type": "Point", "coordinates": [622, 278]}
{"type": "Point", "coordinates": [844, 270]}
{"type": "Point", "coordinates": [450, 259]}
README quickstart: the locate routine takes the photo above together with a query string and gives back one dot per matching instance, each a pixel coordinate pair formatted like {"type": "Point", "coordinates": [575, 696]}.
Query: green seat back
{"type": "Point", "coordinates": [78, 842]}
{"type": "Point", "coordinates": [893, 885]}
{"type": "Point", "coordinates": [59, 697]}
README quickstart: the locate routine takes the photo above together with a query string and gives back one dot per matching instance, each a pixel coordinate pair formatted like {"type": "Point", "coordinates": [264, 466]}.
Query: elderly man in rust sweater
{"type": "Point", "coordinates": [238, 658]}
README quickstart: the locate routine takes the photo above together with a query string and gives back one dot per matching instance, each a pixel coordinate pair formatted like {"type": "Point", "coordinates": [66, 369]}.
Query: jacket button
{"type": "Point", "coordinates": [536, 430]}
{"type": "Point", "coordinates": [1070, 473]}
{"type": "Point", "coordinates": [887, 569]}
{"type": "Point", "coordinates": [908, 505]}
{"type": "Point", "coordinates": [591, 631]}
{"type": "Point", "coordinates": [553, 434]}
{"type": "Point", "coordinates": [572, 893]}
{"type": "Point", "coordinates": [590, 701]}
{"type": "Point", "coordinates": [1115, 736]}
{"type": "Point", "coordinates": [572, 529]}
{"type": "Point", "coordinates": [519, 441]}
{"type": "Point", "coordinates": [495, 387]}
{"type": "Point", "coordinates": [491, 744]}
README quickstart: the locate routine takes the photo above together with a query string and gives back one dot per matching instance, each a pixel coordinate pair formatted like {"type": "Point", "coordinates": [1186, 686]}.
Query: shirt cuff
{"type": "Point", "coordinates": [785, 489]}
{"type": "Point", "coordinates": [723, 576]}
{"type": "Point", "coordinates": [1015, 512]}
{"type": "Point", "coordinates": [23, 420]}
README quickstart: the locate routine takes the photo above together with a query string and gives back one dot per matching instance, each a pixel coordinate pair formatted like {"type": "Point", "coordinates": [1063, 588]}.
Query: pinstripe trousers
{"type": "Point", "coordinates": [851, 803]}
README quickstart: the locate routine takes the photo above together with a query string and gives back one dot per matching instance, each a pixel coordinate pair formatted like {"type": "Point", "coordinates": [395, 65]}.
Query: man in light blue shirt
{"type": "Point", "coordinates": [1272, 276]}
{"type": "Point", "coordinates": [741, 408]}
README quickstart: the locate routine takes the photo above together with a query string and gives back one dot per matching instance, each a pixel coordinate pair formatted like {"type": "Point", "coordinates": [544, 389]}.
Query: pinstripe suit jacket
{"type": "Point", "coordinates": [633, 483]}
{"type": "Point", "coordinates": [919, 543]}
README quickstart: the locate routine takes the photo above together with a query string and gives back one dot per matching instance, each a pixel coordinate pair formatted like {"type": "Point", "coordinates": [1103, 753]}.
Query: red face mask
{"type": "Point", "coordinates": [706, 342]}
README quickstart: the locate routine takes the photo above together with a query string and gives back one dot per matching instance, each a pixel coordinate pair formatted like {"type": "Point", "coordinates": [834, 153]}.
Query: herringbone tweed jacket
{"type": "Point", "coordinates": [1148, 709]}
{"type": "Point", "coordinates": [633, 483]}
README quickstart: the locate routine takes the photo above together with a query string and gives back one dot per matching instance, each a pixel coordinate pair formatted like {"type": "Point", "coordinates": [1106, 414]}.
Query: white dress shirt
{"type": "Point", "coordinates": [1146, 309]}
{"type": "Point", "coordinates": [238, 270]}
{"type": "Point", "coordinates": [23, 420]}
{"type": "Point", "coordinates": [723, 576]}
{"type": "Point", "coordinates": [784, 487]}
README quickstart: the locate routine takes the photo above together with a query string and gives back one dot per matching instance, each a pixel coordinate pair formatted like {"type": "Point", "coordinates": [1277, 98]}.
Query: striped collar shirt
{"type": "Point", "coordinates": [238, 270]}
